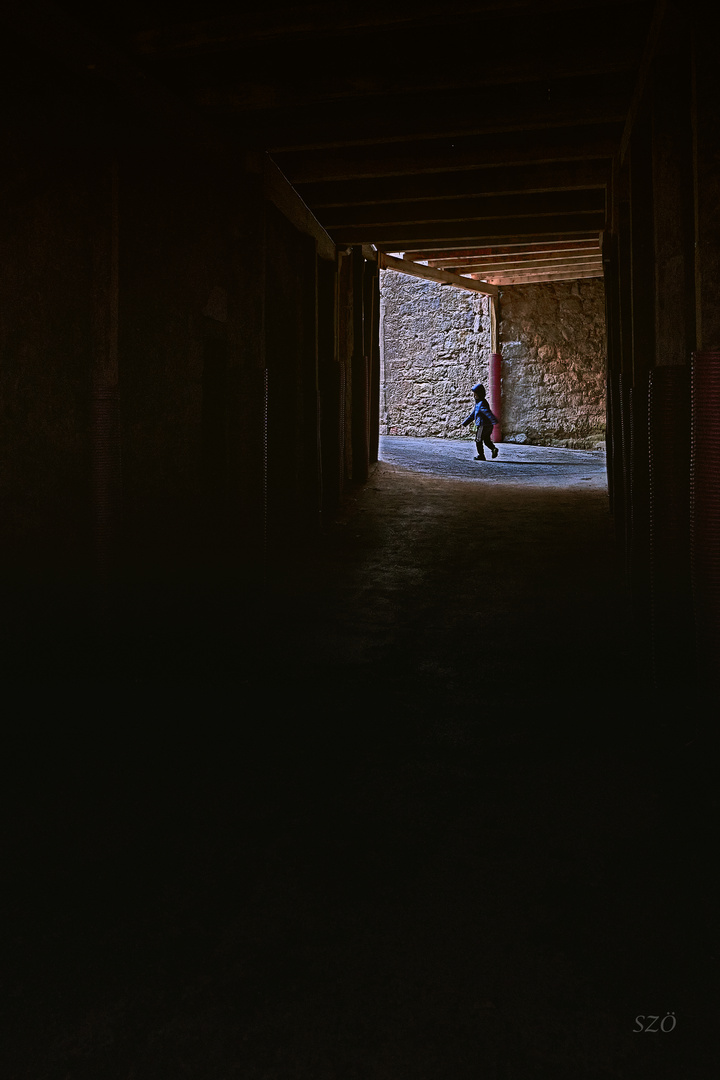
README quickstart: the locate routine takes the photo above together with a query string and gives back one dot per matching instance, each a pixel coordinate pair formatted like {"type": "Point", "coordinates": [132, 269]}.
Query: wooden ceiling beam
{"type": "Point", "coordinates": [400, 237]}
{"type": "Point", "coordinates": [287, 200]}
{"type": "Point", "coordinates": [479, 208]}
{"type": "Point", "coordinates": [424, 249]}
{"type": "Point", "coordinates": [596, 143]}
{"type": "Point", "coordinates": [535, 278]}
{"type": "Point", "coordinates": [278, 83]}
{"type": "Point", "coordinates": [511, 251]}
{"type": "Point", "coordinates": [565, 176]}
{"type": "Point", "coordinates": [100, 63]}
{"type": "Point", "coordinates": [582, 262]}
{"type": "Point", "coordinates": [313, 19]}
{"type": "Point", "coordinates": [465, 266]}
{"type": "Point", "coordinates": [387, 262]}
{"type": "Point", "coordinates": [404, 117]}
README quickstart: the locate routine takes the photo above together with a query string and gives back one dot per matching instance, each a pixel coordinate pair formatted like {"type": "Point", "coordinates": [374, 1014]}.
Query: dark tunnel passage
{"type": "Point", "coordinates": [328, 755]}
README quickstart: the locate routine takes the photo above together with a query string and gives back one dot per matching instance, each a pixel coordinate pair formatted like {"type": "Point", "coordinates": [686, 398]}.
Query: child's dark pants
{"type": "Point", "coordinates": [483, 436]}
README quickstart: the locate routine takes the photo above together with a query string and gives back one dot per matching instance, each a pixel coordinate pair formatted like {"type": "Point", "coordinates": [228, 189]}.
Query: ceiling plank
{"type": "Point", "coordinates": [57, 34]}
{"type": "Point", "coordinates": [280, 84]}
{"type": "Point", "coordinates": [520, 247]}
{"type": "Point", "coordinates": [252, 25]}
{"type": "Point", "coordinates": [535, 278]}
{"type": "Point", "coordinates": [464, 265]}
{"type": "Point", "coordinates": [565, 176]}
{"type": "Point", "coordinates": [582, 262]}
{"type": "Point", "coordinates": [442, 156]}
{"type": "Point", "coordinates": [387, 262]}
{"type": "Point", "coordinates": [287, 74]}
{"type": "Point", "coordinates": [400, 237]}
{"type": "Point", "coordinates": [407, 116]}
{"type": "Point", "coordinates": [481, 207]}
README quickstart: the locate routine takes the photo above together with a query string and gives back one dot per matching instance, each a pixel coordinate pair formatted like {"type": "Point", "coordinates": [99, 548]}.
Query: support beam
{"type": "Point", "coordinates": [589, 143]}
{"type": "Point", "coordinates": [567, 176]}
{"type": "Point", "coordinates": [642, 251]}
{"type": "Point", "coordinates": [644, 73]}
{"type": "Point", "coordinates": [105, 449]}
{"type": "Point", "coordinates": [518, 264]}
{"type": "Point", "coordinates": [535, 277]}
{"type": "Point", "coordinates": [415, 249]}
{"type": "Point", "coordinates": [260, 24]}
{"type": "Point", "coordinates": [360, 371]}
{"type": "Point", "coordinates": [549, 246]}
{"type": "Point", "coordinates": [672, 185]}
{"type": "Point", "coordinates": [594, 99]}
{"type": "Point", "coordinates": [706, 155]}
{"type": "Point", "coordinates": [479, 208]}
{"type": "Point", "coordinates": [387, 262]}
{"type": "Point", "coordinates": [396, 238]}
{"type": "Point", "coordinates": [286, 199]}
{"type": "Point", "coordinates": [78, 49]}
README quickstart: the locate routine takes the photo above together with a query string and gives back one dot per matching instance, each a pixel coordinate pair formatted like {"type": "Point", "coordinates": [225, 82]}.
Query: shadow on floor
{"type": "Point", "coordinates": [423, 819]}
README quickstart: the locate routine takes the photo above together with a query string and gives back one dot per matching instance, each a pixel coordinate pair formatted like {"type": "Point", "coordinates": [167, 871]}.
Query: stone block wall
{"type": "Point", "coordinates": [552, 339]}
{"type": "Point", "coordinates": [435, 344]}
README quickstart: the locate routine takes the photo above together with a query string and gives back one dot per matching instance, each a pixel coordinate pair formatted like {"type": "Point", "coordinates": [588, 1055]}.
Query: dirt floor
{"type": "Point", "coordinates": [426, 820]}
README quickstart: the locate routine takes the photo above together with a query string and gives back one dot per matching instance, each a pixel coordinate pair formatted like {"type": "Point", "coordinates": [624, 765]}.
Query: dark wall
{"type": "Point", "coordinates": [45, 346]}
{"type": "Point", "coordinates": [182, 369]}
{"type": "Point", "coordinates": [294, 491]}
{"type": "Point", "coordinates": [178, 278]}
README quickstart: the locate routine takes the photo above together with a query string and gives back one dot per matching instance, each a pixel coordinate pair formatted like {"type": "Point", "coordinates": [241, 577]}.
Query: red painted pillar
{"type": "Point", "coordinates": [495, 394]}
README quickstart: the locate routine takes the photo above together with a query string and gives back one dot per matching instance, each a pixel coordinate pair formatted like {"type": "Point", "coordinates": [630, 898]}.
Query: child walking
{"type": "Point", "coordinates": [485, 420]}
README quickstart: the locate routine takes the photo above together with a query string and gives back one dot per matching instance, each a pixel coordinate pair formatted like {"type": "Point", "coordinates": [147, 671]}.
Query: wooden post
{"type": "Point", "coordinates": [345, 355]}
{"type": "Point", "coordinates": [613, 432]}
{"type": "Point", "coordinates": [673, 207]}
{"type": "Point", "coordinates": [495, 323]}
{"type": "Point", "coordinates": [373, 351]}
{"type": "Point", "coordinates": [247, 419]}
{"type": "Point", "coordinates": [643, 355]}
{"type": "Point", "coordinates": [705, 424]}
{"type": "Point", "coordinates": [330, 384]}
{"type": "Point", "coordinates": [706, 161]}
{"type": "Point", "coordinates": [623, 504]}
{"type": "Point", "coordinates": [105, 434]}
{"type": "Point", "coordinates": [495, 367]}
{"type": "Point", "coordinates": [669, 387]}
{"type": "Point", "coordinates": [642, 251]}
{"type": "Point", "coordinates": [360, 449]}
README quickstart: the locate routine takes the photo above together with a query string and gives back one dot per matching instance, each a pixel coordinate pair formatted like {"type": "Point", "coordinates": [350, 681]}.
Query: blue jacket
{"type": "Point", "coordinates": [480, 414]}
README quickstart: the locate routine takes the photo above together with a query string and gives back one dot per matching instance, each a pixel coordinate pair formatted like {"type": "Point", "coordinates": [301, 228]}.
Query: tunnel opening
{"type": "Point", "coordinates": [547, 338]}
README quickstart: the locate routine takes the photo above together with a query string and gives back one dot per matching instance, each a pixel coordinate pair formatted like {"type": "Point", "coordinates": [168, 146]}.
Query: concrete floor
{"type": "Point", "coordinates": [426, 820]}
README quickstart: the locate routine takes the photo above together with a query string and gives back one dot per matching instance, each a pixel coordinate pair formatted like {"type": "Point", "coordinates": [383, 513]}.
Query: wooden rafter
{"type": "Point", "coordinates": [568, 102]}
{"type": "Point", "coordinates": [566, 244]}
{"type": "Point", "coordinates": [428, 273]}
{"type": "Point", "coordinates": [258, 24]}
{"type": "Point", "coordinates": [533, 278]}
{"type": "Point", "coordinates": [423, 250]}
{"type": "Point", "coordinates": [514, 180]}
{"type": "Point", "coordinates": [401, 237]}
{"type": "Point", "coordinates": [595, 143]}
{"type": "Point", "coordinates": [480, 208]}
{"type": "Point", "coordinates": [580, 262]}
